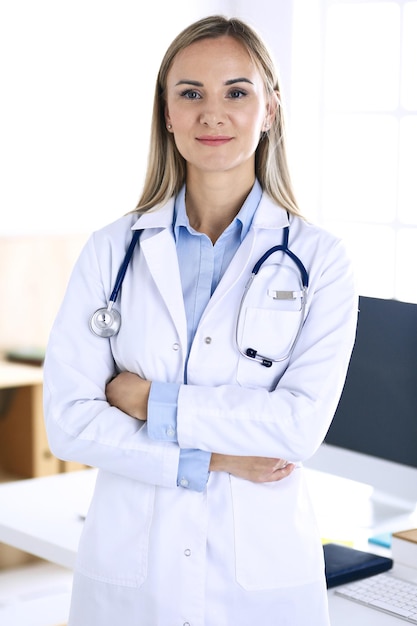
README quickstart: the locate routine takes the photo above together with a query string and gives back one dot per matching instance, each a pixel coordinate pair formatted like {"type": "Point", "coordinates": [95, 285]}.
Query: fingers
{"type": "Point", "coordinates": [255, 469]}
{"type": "Point", "coordinates": [280, 464]}
{"type": "Point", "coordinates": [281, 473]}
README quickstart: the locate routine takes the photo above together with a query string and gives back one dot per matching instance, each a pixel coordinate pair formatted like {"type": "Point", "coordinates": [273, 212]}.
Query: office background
{"type": "Point", "coordinates": [77, 81]}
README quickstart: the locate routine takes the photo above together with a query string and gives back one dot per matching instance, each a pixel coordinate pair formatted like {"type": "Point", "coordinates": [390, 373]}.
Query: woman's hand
{"type": "Point", "coordinates": [256, 469]}
{"type": "Point", "coordinates": [129, 393]}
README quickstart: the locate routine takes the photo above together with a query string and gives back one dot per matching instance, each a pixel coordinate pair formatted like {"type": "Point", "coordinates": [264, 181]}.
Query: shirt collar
{"type": "Point", "coordinates": [244, 217]}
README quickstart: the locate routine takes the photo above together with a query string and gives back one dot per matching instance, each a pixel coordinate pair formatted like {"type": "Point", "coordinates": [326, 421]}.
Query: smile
{"type": "Point", "coordinates": [210, 140]}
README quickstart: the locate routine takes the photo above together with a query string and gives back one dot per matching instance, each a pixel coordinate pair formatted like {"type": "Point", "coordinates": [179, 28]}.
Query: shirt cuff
{"type": "Point", "coordinates": [162, 411]}
{"type": "Point", "coordinates": [193, 469]}
{"type": "Point", "coordinates": [193, 466]}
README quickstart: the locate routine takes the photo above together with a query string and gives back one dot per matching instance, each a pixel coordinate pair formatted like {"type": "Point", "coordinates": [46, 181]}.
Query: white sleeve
{"type": "Point", "coordinates": [81, 425]}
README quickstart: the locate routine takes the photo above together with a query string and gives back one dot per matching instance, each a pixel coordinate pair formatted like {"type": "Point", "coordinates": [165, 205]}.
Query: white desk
{"type": "Point", "coordinates": [42, 516]}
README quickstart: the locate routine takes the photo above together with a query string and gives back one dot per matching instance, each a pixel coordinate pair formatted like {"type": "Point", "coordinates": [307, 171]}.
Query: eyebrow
{"type": "Point", "coordinates": [197, 83]}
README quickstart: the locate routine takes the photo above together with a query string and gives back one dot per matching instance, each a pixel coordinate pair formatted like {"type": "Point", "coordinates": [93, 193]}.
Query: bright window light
{"type": "Point", "coordinates": [362, 56]}
{"type": "Point", "coordinates": [407, 201]}
{"type": "Point", "coordinates": [359, 167]}
{"type": "Point", "coordinates": [409, 63]}
{"type": "Point", "coordinates": [406, 284]}
{"type": "Point", "coordinates": [354, 132]}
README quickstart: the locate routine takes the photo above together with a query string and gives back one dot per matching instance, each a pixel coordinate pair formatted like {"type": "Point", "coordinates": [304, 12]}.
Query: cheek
{"type": "Point", "coordinates": [182, 141]}
{"type": "Point", "coordinates": [179, 116]}
{"type": "Point", "coordinates": [253, 121]}
{"type": "Point", "coordinates": [253, 129]}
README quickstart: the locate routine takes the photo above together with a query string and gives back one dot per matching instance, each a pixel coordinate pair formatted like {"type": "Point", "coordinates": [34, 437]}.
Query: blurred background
{"type": "Point", "coordinates": [77, 82]}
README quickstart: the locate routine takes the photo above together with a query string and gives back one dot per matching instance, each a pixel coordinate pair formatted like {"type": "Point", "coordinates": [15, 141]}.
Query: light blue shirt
{"type": "Point", "coordinates": [202, 266]}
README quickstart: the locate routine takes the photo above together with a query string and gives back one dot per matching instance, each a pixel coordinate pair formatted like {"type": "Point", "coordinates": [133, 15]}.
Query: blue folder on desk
{"type": "Point", "coordinates": [344, 564]}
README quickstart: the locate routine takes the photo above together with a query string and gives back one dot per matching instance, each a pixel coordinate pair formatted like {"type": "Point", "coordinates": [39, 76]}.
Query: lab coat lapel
{"type": "Point", "coordinates": [158, 247]}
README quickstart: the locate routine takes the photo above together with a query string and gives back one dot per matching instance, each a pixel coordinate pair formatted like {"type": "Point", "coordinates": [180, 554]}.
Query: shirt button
{"type": "Point", "coordinates": [176, 347]}
{"type": "Point", "coordinates": [187, 552]}
{"type": "Point", "coordinates": [184, 482]}
{"type": "Point", "coordinates": [186, 624]}
{"type": "Point", "coordinates": [207, 340]}
{"type": "Point", "coordinates": [170, 431]}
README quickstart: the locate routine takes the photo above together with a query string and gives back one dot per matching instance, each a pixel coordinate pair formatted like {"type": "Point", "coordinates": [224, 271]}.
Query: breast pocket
{"type": "Point", "coordinates": [269, 323]}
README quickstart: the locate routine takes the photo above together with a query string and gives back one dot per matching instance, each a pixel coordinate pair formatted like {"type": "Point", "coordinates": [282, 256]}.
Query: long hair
{"type": "Point", "coordinates": [166, 168]}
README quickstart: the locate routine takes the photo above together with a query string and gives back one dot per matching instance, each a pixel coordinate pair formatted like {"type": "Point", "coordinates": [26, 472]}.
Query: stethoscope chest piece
{"type": "Point", "coordinates": [105, 322]}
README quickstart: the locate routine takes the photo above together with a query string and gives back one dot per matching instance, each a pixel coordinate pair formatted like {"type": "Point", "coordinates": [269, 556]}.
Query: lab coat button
{"type": "Point", "coordinates": [207, 340]}
{"type": "Point", "coordinates": [184, 482]}
{"type": "Point", "coordinates": [186, 624]}
{"type": "Point", "coordinates": [170, 431]}
{"type": "Point", "coordinates": [187, 552]}
{"type": "Point", "coordinates": [176, 347]}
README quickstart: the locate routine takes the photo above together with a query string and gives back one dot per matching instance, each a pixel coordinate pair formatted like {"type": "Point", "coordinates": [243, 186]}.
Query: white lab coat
{"type": "Point", "coordinates": [153, 553]}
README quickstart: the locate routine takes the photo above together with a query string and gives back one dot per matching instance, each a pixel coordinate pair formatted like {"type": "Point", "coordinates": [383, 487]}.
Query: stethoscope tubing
{"type": "Point", "coordinates": [284, 248]}
{"type": "Point", "coordinates": [251, 353]}
{"type": "Point", "coordinates": [106, 322]}
{"type": "Point", "coordinates": [123, 268]}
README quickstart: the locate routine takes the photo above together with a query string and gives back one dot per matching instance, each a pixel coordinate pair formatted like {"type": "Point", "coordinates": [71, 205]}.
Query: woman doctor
{"type": "Point", "coordinates": [199, 412]}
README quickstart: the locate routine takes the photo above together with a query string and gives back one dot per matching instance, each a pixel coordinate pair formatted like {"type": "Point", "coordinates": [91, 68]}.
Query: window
{"type": "Point", "coordinates": [366, 144]}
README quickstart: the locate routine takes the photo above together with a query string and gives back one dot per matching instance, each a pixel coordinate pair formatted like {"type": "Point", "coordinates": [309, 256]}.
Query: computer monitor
{"type": "Point", "coordinates": [373, 436]}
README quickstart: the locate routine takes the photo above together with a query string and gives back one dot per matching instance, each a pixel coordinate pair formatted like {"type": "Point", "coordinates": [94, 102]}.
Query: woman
{"type": "Point", "coordinates": [199, 412]}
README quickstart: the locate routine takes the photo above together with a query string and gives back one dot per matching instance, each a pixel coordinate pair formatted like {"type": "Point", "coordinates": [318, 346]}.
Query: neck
{"type": "Point", "coordinates": [212, 202]}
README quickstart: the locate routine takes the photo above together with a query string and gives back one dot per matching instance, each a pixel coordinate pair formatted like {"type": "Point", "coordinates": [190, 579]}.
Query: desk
{"type": "Point", "coordinates": [24, 449]}
{"type": "Point", "coordinates": [42, 516]}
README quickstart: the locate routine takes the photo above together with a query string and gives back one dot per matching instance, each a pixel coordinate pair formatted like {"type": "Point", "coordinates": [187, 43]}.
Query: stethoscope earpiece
{"type": "Point", "coordinates": [105, 322]}
{"type": "Point", "coordinates": [263, 360]}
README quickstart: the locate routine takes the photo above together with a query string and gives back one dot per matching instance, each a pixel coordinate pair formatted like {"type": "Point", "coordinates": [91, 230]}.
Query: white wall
{"type": "Point", "coordinates": [77, 80]}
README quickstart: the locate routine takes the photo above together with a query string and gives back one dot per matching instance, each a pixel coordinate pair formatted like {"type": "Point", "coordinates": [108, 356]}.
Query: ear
{"type": "Point", "coordinates": [272, 107]}
{"type": "Point", "coordinates": [168, 123]}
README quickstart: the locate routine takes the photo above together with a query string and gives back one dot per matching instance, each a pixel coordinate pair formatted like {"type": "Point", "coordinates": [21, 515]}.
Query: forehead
{"type": "Point", "coordinates": [223, 56]}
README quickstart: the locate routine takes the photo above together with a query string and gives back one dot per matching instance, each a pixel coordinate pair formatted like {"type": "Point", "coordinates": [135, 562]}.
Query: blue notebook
{"type": "Point", "coordinates": [344, 564]}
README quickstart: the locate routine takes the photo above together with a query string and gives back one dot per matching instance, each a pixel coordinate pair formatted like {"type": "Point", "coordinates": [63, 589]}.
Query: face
{"type": "Point", "coordinates": [216, 106]}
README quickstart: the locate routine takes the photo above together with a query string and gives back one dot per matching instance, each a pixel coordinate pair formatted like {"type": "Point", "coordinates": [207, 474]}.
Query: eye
{"type": "Point", "coordinates": [190, 94]}
{"type": "Point", "coordinates": [236, 94]}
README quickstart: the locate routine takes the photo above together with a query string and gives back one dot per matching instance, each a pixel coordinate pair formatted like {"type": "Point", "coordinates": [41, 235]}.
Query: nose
{"type": "Point", "coordinates": [212, 116]}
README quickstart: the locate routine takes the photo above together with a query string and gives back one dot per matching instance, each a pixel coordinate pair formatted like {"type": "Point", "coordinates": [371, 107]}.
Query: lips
{"type": "Point", "coordinates": [213, 140]}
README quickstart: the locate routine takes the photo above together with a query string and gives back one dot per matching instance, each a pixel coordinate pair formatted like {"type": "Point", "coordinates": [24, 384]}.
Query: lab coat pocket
{"type": "Point", "coordinates": [277, 543]}
{"type": "Point", "coordinates": [115, 540]}
{"type": "Point", "coordinates": [271, 333]}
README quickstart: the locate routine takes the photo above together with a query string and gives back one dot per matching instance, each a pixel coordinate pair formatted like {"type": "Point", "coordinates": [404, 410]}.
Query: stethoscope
{"type": "Point", "coordinates": [252, 353]}
{"type": "Point", "coordinates": [106, 321]}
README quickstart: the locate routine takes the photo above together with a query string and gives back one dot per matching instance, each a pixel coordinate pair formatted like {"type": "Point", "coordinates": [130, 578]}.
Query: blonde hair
{"type": "Point", "coordinates": [166, 168]}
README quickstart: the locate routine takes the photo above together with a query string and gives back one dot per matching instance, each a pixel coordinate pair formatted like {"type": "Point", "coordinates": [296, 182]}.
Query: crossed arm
{"type": "Point", "coordinates": [130, 393]}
